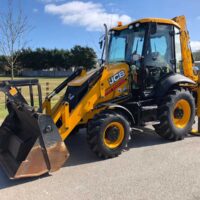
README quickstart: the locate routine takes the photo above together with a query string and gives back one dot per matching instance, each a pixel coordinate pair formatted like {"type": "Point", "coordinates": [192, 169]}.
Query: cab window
{"type": "Point", "coordinates": [159, 54]}
{"type": "Point", "coordinates": [179, 66]}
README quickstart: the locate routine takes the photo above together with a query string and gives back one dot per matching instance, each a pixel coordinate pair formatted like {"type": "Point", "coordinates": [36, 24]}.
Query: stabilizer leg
{"type": "Point", "coordinates": [196, 132]}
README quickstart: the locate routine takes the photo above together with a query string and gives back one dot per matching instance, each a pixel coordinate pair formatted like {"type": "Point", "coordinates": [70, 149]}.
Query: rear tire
{"type": "Point", "coordinates": [108, 134]}
{"type": "Point", "coordinates": [176, 114]}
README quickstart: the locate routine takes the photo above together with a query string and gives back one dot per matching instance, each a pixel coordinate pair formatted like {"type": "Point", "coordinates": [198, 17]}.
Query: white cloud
{"type": "Point", "coordinates": [90, 15]}
{"type": "Point", "coordinates": [195, 45]}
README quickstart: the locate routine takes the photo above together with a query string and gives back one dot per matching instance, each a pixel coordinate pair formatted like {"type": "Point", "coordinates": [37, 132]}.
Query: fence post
{"type": "Point", "coordinates": [47, 88]}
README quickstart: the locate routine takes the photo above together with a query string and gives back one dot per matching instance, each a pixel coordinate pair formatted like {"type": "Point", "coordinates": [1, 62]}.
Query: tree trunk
{"type": "Point", "coordinates": [12, 70]}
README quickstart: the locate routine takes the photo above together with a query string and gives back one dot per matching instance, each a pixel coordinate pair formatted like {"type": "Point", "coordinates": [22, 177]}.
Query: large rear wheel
{"type": "Point", "coordinates": [108, 134]}
{"type": "Point", "coordinates": [176, 114]}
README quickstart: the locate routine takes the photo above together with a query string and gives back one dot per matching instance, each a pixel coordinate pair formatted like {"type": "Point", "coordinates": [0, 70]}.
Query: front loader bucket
{"type": "Point", "coordinates": [30, 144]}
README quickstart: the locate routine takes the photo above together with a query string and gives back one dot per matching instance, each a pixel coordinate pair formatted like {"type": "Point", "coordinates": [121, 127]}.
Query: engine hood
{"type": "Point", "coordinates": [78, 81]}
{"type": "Point", "coordinates": [113, 70]}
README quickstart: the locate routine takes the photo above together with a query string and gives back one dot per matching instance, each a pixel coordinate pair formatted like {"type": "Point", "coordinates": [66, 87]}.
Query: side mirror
{"type": "Point", "coordinates": [101, 44]}
{"type": "Point", "coordinates": [100, 62]}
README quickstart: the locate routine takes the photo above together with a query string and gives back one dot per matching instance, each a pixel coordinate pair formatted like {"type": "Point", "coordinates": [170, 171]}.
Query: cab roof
{"type": "Point", "coordinates": [148, 20]}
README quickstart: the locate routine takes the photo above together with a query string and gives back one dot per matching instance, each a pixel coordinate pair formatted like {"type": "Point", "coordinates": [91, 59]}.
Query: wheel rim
{"type": "Point", "coordinates": [181, 114]}
{"type": "Point", "coordinates": [113, 135]}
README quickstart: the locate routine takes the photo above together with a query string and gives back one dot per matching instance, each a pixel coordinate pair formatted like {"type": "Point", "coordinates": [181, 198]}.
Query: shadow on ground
{"type": "Point", "coordinates": [81, 154]}
{"type": "Point", "coordinates": [146, 138]}
{"type": "Point", "coordinates": [5, 182]}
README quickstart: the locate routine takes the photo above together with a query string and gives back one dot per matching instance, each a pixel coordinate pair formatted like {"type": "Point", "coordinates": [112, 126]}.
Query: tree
{"type": "Point", "coordinates": [42, 58]}
{"type": "Point", "coordinates": [196, 55]}
{"type": "Point", "coordinates": [13, 28]}
{"type": "Point", "coordinates": [83, 57]}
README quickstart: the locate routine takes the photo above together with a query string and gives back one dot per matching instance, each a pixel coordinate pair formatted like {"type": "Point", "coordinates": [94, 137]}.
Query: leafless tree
{"type": "Point", "coordinates": [13, 29]}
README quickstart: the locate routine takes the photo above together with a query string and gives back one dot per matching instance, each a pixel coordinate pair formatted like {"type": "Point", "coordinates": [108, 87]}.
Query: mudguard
{"type": "Point", "coordinates": [174, 79]}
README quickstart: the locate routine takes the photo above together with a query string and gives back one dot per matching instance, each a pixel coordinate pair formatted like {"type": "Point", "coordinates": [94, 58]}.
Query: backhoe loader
{"type": "Point", "coordinates": [147, 77]}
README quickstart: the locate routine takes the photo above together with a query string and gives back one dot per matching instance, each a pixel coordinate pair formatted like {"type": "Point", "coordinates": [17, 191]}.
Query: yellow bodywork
{"type": "Point", "coordinates": [185, 48]}
{"type": "Point", "coordinates": [102, 91]}
{"type": "Point", "coordinates": [80, 80]}
{"type": "Point", "coordinates": [149, 20]}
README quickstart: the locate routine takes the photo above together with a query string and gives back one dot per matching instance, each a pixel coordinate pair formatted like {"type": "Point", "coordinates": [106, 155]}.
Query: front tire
{"type": "Point", "coordinates": [108, 134]}
{"type": "Point", "coordinates": [176, 114]}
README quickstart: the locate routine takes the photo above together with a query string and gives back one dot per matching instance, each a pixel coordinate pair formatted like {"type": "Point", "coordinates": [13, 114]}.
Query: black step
{"type": "Point", "coordinates": [151, 123]}
{"type": "Point", "coordinates": [153, 107]}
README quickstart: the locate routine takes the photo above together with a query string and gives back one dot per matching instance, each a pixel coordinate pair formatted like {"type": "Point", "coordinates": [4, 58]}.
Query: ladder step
{"type": "Point", "coordinates": [154, 107]}
{"type": "Point", "coordinates": [151, 123]}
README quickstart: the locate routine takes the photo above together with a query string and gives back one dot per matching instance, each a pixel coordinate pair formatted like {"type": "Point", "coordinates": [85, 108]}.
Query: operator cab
{"type": "Point", "coordinates": [151, 49]}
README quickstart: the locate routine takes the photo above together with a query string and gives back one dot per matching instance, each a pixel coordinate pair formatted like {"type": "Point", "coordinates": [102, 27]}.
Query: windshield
{"type": "Point", "coordinates": [125, 43]}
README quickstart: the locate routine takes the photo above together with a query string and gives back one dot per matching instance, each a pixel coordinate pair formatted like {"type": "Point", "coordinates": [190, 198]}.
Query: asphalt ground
{"type": "Point", "coordinates": [152, 168]}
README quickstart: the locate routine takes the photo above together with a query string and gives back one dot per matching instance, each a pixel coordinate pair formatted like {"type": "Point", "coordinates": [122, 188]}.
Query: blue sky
{"type": "Point", "coordinates": [65, 23]}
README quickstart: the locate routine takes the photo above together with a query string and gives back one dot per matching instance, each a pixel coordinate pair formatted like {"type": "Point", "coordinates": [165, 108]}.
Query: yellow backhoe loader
{"type": "Point", "coordinates": [147, 77]}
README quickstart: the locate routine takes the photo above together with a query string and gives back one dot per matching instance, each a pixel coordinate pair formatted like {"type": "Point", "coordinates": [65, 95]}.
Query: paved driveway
{"type": "Point", "coordinates": [151, 169]}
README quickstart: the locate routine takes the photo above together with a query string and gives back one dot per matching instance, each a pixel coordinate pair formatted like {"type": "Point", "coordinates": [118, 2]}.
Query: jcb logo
{"type": "Point", "coordinates": [116, 77]}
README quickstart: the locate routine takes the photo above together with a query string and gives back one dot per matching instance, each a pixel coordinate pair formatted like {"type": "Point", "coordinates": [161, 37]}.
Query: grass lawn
{"type": "Point", "coordinates": [53, 82]}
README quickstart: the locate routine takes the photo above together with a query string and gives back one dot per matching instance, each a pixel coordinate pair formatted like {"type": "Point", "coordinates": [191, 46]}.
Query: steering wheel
{"type": "Point", "coordinates": [153, 70]}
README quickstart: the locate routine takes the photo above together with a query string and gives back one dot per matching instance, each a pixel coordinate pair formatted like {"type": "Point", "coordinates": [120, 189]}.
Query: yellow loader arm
{"type": "Point", "coordinates": [99, 90]}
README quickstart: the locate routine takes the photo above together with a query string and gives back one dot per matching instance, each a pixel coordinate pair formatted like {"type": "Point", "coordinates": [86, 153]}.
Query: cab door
{"type": "Point", "coordinates": [159, 55]}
